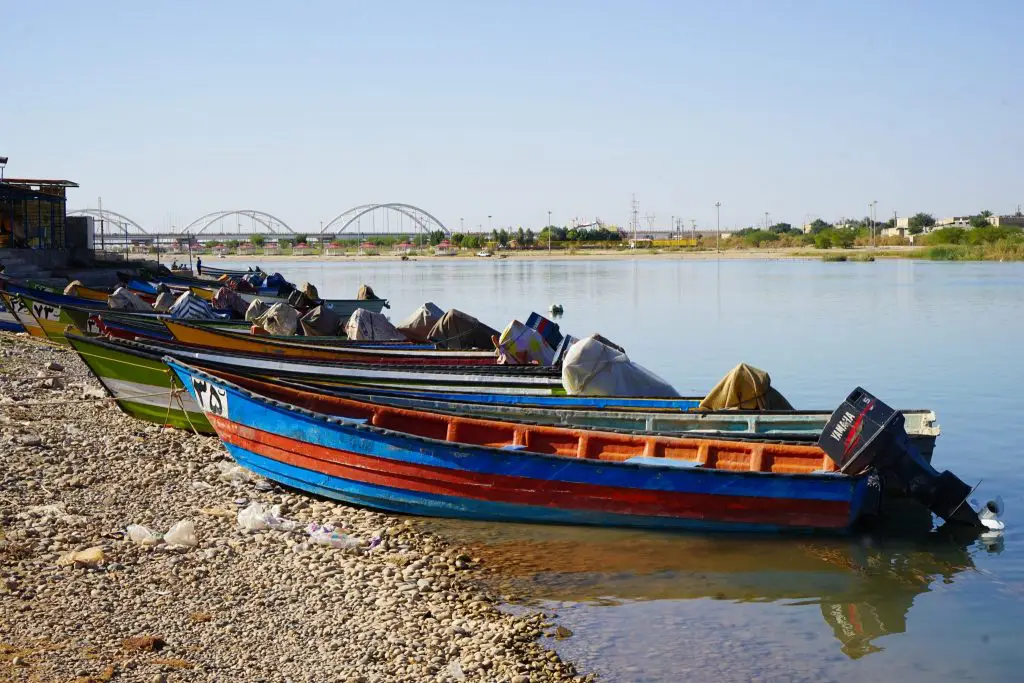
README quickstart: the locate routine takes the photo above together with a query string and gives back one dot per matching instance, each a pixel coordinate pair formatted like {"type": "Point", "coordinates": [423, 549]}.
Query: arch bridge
{"type": "Point", "coordinates": [421, 219]}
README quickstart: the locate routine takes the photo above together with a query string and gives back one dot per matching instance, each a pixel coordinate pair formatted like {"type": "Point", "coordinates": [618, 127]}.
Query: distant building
{"type": "Point", "coordinates": [954, 222]}
{"type": "Point", "coordinates": [33, 213]}
{"type": "Point", "coordinates": [1016, 219]}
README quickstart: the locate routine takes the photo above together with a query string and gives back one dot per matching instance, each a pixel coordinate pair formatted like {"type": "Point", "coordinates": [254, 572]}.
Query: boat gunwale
{"type": "Point", "coordinates": [349, 424]}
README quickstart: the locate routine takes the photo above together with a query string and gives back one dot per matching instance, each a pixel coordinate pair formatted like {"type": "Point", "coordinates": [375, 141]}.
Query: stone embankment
{"type": "Point", "coordinates": [81, 601]}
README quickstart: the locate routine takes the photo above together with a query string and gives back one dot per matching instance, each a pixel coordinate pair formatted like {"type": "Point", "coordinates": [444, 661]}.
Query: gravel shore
{"type": "Point", "coordinates": [80, 601]}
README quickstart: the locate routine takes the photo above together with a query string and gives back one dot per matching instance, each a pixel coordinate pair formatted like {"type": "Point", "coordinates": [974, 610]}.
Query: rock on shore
{"type": "Point", "coordinates": [80, 601]}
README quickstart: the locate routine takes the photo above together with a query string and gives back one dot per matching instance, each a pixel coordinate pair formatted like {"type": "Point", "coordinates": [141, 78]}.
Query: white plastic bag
{"type": "Point", "coordinates": [229, 471]}
{"type": "Point", "coordinates": [142, 535]}
{"type": "Point", "coordinates": [183, 533]}
{"type": "Point", "coordinates": [327, 535]}
{"type": "Point", "coordinates": [256, 518]}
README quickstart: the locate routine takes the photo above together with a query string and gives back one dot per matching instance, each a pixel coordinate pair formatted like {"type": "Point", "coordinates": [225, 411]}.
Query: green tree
{"type": "Point", "coordinates": [819, 225]}
{"type": "Point", "coordinates": [257, 240]}
{"type": "Point", "coordinates": [231, 244]}
{"type": "Point", "coordinates": [284, 244]}
{"type": "Point", "coordinates": [521, 237]}
{"type": "Point", "coordinates": [471, 242]}
{"type": "Point", "coordinates": [436, 237]}
{"type": "Point", "coordinates": [530, 238]}
{"type": "Point", "coordinates": [299, 239]}
{"type": "Point", "coordinates": [458, 238]}
{"type": "Point", "coordinates": [503, 237]}
{"type": "Point", "coordinates": [919, 221]}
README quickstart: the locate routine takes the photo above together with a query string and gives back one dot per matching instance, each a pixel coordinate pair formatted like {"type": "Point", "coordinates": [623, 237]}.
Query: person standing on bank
{"type": "Point", "coordinates": [199, 266]}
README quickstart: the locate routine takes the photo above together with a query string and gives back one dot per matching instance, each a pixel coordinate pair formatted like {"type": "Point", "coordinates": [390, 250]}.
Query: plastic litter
{"type": "Point", "coordinates": [142, 535]}
{"type": "Point", "coordinates": [326, 534]}
{"type": "Point", "coordinates": [229, 471]}
{"type": "Point", "coordinates": [183, 533]}
{"type": "Point", "coordinates": [256, 518]}
{"type": "Point", "coordinates": [455, 669]}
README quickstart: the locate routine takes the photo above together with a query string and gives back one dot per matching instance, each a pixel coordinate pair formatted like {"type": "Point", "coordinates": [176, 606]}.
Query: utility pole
{"type": "Point", "coordinates": [718, 226]}
{"type": "Point", "coordinates": [874, 205]}
{"type": "Point", "coordinates": [766, 221]}
{"type": "Point", "coordinates": [693, 233]}
{"type": "Point", "coordinates": [549, 233]}
{"type": "Point", "coordinates": [636, 210]}
{"type": "Point", "coordinates": [103, 244]}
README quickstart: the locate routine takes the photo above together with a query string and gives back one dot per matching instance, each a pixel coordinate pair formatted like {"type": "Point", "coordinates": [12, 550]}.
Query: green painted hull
{"type": "Point", "coordinates": [144, 388]}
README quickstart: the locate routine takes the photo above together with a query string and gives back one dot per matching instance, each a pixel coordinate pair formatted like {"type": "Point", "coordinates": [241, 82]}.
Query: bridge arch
{"type": "Point", "coordinates": [423, 219]}
{"type": "Point", "coordinates": [262, 217]}
{"type": "Point", "coordinates": [114, 218]}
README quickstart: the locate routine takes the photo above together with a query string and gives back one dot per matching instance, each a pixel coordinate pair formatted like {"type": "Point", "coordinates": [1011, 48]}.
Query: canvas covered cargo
{"type": "Point", "coordinates": [418, 325]}
{"type": "Point", "coordinates": [280, 319]}
{"type": "Point", "coordinates": [256, 308]}
{"type": "Point", "coordinates": [163, 303]}
{"type": "Point", "coordinates": [366, 293]}
{"type": "Point", "coordinates": [228, 299]}
{"type": "Point", "coordinates": [364, 325]}
{"type": "Point", "coordinates": [522, 345]}
{"type": "Point", "coordinates": [124, 300]}
{"type": "Point", "coordinates": [745, 388]}
{"type": "Point", "coordinates": [188, 306]}
{"type": "Point", "coordinates": [457, 331]}
{"type": "Point", "coordinates": [321, 322]}
{"type": "Point", "coordinates": [593, 368]}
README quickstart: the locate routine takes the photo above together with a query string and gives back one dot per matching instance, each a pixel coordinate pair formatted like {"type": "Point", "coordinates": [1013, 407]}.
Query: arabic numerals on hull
{"type": "Point", "coordinates": [211, 399]}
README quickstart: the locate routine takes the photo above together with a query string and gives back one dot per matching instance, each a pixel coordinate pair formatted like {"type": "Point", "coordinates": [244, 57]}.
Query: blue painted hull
{"type": "Point", "coordinates": [401, 472]}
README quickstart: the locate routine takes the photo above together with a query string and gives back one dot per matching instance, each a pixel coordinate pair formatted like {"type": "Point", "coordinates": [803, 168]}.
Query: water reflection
{"type": "Point", "coordinates": [864, 586]}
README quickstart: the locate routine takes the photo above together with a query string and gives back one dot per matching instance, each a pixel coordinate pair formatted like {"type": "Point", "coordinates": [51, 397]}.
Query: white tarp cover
{"type": "Point", "coordinates": [417, 326]}
{"type": "Point", "coordinates": [280, 319]}
{"type": "Point", "coordinates": [123, 300]}
{"type": "Point", "coordinates": [591, 368]}
{"type": "Point", "coordinates": [163, 302]}
{"type": "Point", "coordinates": [522, 345]}
{"type": "Point", "coordinates": [366, 325]}
{"type": "Point", "coordinates": [256, 309]}
{"type": "Point", "coordinates": [188, 306]}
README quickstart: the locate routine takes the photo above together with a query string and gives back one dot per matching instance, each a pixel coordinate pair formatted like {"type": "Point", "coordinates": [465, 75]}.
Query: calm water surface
{"type": "Point", "coordinates": [645, 606]}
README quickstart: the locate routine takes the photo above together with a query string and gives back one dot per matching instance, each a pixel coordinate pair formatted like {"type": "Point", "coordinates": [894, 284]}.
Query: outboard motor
{"type": "Point", "coordinates": [864, 432]}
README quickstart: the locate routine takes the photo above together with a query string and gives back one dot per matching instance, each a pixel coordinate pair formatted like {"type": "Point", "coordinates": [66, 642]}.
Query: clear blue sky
{"type": "Point", "coordinates": [303, 109]}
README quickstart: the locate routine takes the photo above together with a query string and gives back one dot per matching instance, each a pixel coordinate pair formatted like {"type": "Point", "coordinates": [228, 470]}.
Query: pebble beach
{"type": "Point", "coordinates": [81, 600]}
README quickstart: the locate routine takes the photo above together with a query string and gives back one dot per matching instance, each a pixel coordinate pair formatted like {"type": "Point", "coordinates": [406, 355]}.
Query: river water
{"type": "Point", "coordinates": [642, 606]}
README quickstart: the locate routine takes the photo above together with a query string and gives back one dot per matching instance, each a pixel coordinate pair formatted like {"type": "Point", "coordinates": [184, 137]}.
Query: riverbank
{"type": "Point", "coordinates": [400, 605]}
{"type": "Point", "coordinates": [581, 254]}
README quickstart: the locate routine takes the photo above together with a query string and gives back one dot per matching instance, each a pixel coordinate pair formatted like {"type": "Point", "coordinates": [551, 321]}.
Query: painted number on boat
{"type": "Point", "coordinates": [211, 399]}
{"type": "Point", "coordinates": [46, 312]}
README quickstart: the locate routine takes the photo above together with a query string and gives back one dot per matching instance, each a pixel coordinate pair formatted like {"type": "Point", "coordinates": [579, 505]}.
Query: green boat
{"type": "Point", "coordinates": [135, 374]}
{"type": "Point", "coordinates": [143, 385]}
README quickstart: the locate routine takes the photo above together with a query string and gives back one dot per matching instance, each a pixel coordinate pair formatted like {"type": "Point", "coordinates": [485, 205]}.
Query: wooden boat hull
{"type": "Point", "coordinates": [196, 335]}
{"type": "Point", "coordinates": [453, 476]}
{"type": "Point", "coordinates": [506, 379]}
{"type": "Point", "coordinates": [143, 386]}
{"type": "Point", "coordinates": [790, 425]}
{"type": "Point", "coordinates": [8, 321]}
{"type": "Point", "coordinates": [20, 311]}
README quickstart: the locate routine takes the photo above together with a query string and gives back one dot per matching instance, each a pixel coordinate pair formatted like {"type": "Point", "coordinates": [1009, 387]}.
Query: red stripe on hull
{"type": "Point", "coordinates": [501, 488]}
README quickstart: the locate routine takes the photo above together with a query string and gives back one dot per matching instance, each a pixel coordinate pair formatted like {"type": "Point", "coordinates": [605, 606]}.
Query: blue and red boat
{"type": "Point", "coordinates": [444, 465]}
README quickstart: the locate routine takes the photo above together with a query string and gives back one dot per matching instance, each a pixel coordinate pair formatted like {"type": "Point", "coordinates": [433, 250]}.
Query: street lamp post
{"type": "Point", "coordinates": [766, 221]}
{"type": "Point", "coordinates": [718, 226]}
{"type": "Point", "coordinates": [874, 205]}
{"type": "Point", "coordinates": [549, 233]}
